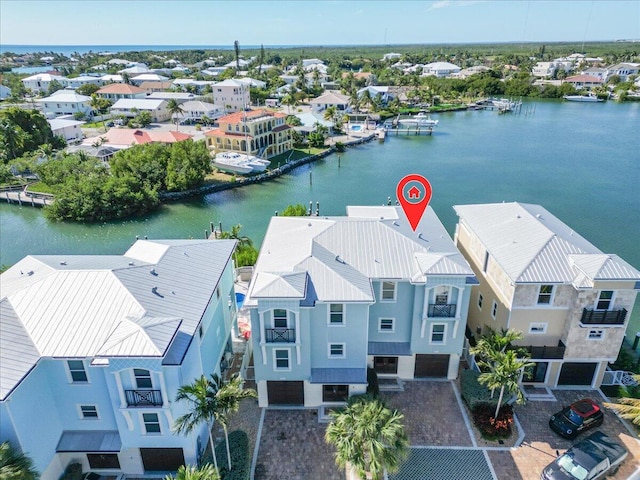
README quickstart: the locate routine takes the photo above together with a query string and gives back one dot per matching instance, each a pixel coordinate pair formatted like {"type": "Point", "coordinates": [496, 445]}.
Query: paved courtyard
{"type": "Point", "coordinates": [291, 442]}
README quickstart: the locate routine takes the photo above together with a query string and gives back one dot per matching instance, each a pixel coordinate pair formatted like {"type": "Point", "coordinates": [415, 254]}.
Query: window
{"type": "Point", "coordinates": [538, 328]}
{"type": "Point", "coordinates": [386, 325]}
{"type": "Point", "coordinates": [438, 332]}
{"type": "Point", "coordinates": [281, 359]}
{"type": "Point", "coordinates": [480, 300]}
{"type": "Point", "coordinates": [151, 422]}
{"type": "Point", "coordinates": [605, 300]}
{"type": "Point", "coordinates": [143, 378]}
{"type": "Point", "coordinates": [279, 318]}
{"type": "Point", "coordinates": [77, 371]}
{"type": "Point", "coordinates": [442, 296]}
{"type": "Point", "coordinates": [103, 461]}
{"type": "Point", "coordinates": [336, 314]}
{"type": "Point", "coordinates": [88, 411]}
{"type": "Point", "coordinates": [336, 350]}
{"type": "Point", "coordinates": [335, 393]}
{"type": "Point", "coordinates": [596, 335]}
{"type": "Point", "coordinates": [545, 295]}
{"type": "Point", "coordinates": [388, 291]}
{"type": "Point", "coordinates": [494, 310]}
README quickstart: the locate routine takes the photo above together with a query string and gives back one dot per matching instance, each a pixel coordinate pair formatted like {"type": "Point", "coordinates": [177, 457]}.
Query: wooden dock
{"type": "Point", "coordinates": [20, 197]}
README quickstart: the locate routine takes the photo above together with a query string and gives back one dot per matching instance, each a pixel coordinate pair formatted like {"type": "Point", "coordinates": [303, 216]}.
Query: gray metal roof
{"type": "Point", "coordinates": [134, 305]}
{"type": "Point", "coordinates": [389, 348]}
{"type": "Point", "coordinates": [533, 246]}
{"type": "Point", "coordinates": [90, 441]}
{"type": "Point", "coordinates": [343, 255]}
{"type": "Point", "coordinates": [338, 376]}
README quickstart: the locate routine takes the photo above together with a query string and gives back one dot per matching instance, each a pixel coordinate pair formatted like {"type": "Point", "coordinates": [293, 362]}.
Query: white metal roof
{"type": "Point", "coordinates": [139, 103]}
{"type": "Point", "coordinates": [65, 96]}
{"type": "Point", "coordinates": [77, 306]}
{"type": "Point", "coordinates": [340, 256]}
{"type": "Point", "coordinates": [533, 246]}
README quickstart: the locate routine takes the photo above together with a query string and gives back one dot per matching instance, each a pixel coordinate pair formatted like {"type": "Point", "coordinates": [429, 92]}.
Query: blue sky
{"type": "Point", "coordinates": [313, 22]}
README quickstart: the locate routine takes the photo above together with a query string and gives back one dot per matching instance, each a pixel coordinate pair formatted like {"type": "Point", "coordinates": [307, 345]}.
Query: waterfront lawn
{"type": "Point", "coordinates": [40, 187]}
{"type": "Point", "coordinates": [293, 155]}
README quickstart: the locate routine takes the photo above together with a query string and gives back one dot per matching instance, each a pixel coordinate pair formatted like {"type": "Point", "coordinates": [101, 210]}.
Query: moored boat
{"type": "Point", "coordinates": [234, 162]}
{"type": "Point", "coordinates": [419, 120]}
{"type": "Point", "coordinates": [583, 98]}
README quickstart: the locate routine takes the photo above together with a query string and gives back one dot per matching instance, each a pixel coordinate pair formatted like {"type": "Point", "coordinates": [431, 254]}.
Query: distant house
{"type": "Point", "coordinates": [97, 346]}
{"type": "Point", "coordinates": [155, 86]}
{"type": "Point", "coordinates": [131, 107]}
{"type": "Point", "coordinates": [5, 92]}
{"type": "Point", "coordinates": [148, 77]}
{"type": "Point", "coordinates": [120, 138]}
{"type": "Point", "coordinates": [68, 129]}
{"type": "Point", "coordinates": [116, 91]}
{"type": "Point", "coordinates": [232, 94]}
{"type": "Point", "coordinates": [468, 72]}
{"type": "Point", "coordinates": [623, 70]}
{"type": "Point", "coordinates": [179, 97]}
{"type": "Point", "coordinates": [598, 72]}
{"type": "Point", "coordinates": [440, 69]}
{"type": "Point", "coordinates": [544, 69]}
{"type": "Point", "coordinates": [189, 84]}
{"type": "Point", "coordinates": [332, 296]}
{"type": "Point", "coordinates": [329, 99]}
{"type": "Point", "coordinates": [40, 82]}
{"type": "Point", "coordinates": [81, 80]}
{"type": "Point", "coordinates": [194, 110]}
{"type": "Point", "coordinates": [110, 78]}
{"type": "Point", "coordinates": [65, 102]}
{"type": "Point", "coordinates": [255, 132]}
{"type": "Point", "coordinates": [377, 91]}
{"type": "Point", "coordinates": [242, 63]}
{"type": "Point", "coordinates": [252, 82]}
{"type": "Point", "coordinates": [586, 82]}
{"type": "Point", "coordinates": [136, 69]}
{"type": "Point", "coordinates": [391, 56]}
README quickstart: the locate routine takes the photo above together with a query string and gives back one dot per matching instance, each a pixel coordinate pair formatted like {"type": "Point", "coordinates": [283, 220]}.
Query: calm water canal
{"type": "Point", "coordinates": [580, 161]}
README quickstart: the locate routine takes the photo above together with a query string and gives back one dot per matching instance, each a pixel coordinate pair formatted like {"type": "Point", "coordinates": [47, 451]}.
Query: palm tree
{"type": "Point", "coordinates": [502, 370]}
{"type": "Point", "coordinates": [628, 407]}
{"type": "Point", "coordinates": [205, 472]}
{"type": "Point", "coordinates": [15, 465]}
{"type": "Point", "coordinates": [368, 436]}
{"type": "Point", "coordinates": [201, 396]}
{"type": "Point", "coordinates": [236, 48]}
{"type": "Point", "coordinates": [228, 400]}
{"type": "Point", "coordinates": [175, 109]}
{"type": "Point", "coordinates": [234, 234]}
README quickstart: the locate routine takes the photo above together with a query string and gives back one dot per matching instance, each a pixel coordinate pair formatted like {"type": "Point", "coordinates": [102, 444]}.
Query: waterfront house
{"type": "Point", "coordinates": [131, 107]}
{"type": "Point", "coordinates": [329, 99]}
{"type": "Point", "coordinates": [623, 70]}
{"type": "Point", "coordinates": [377, 91]}
{"type": "Point", "coordinates": [65, 102]}
{"type": "Point", "coordinates": [66, 128]}
{"type": "Point", "coordinates": [598, 72]}
{"type": "Point", "coordinates": [332, 296]}
{"type": "Point", "coordinates": [40, 82]}
{"type": "Point", "coordinates": [116, 91]}
{"type": "Point", "coordinates": [571, 301]}
{"type": "Point", "coordinates": [94, 348]}
{"type": "Point", "coordinates": [232, 94]}
{"type": "Point", "coordinates": [121, 138]}
{"type": "Point", "coordinates": [263, 133]}
{"type": "Point", "coordinates": [583, 82]}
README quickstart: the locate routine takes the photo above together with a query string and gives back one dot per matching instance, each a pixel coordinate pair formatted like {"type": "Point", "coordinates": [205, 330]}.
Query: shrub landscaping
{"type": "Point", "coordinates": [493, 428]}
{"type": "Point", "coordinates": [240, 458]}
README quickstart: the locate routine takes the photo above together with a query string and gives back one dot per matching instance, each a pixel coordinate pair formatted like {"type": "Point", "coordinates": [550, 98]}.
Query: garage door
{"type": "Point", "coordinates": [431, 366]}
{"type": "Point", "coordinates": [577, 373]}
{"type": "Point", "coordinates": [285, 393]}
{"type": "Point", "coordinates": [161, 459]}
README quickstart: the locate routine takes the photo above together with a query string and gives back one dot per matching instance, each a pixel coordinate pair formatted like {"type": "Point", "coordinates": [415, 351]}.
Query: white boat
{"type": "Point", "coordinates": [504, 104]}
{"type": "Point", "coordinates": [419, 120]}
{"type": "Point", "coordinates": [240, 163]}
{"type": "Point", "coordinates": [582, 98]}
{"type": "Point", "coordinates": [381, 133]}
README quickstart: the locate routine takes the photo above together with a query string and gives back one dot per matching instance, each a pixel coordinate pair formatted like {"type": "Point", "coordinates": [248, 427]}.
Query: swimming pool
{"type": "Point", "coordinates": [356, 128]}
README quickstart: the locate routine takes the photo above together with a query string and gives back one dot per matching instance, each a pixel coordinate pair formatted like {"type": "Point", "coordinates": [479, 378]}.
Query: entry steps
{"type": "Point", "coordinates": [390, 384]}
{"type": "Point", "coordinates": [538, 393]}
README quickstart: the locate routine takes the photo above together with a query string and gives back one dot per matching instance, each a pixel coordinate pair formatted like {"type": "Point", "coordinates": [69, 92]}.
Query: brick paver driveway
{"type": "Point", "coordinates": [540, 443]}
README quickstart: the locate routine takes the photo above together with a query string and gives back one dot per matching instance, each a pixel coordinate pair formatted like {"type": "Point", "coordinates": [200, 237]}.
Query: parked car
{"type": "Point", "coordinates": [594, 457]}
{"type": "Point", "coordinates": [576, 418]}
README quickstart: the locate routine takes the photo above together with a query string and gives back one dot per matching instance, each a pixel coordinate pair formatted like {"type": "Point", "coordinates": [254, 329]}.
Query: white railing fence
{"type": "Point", "coordinates": [619, 377]}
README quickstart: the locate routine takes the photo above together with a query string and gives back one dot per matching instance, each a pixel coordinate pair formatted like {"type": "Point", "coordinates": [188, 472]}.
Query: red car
{"type": "Point", "coordinates": [576, 418]}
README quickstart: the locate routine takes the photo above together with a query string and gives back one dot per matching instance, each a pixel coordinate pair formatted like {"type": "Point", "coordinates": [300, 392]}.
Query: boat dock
{"type": "Point", "coordinates": [20, 197]}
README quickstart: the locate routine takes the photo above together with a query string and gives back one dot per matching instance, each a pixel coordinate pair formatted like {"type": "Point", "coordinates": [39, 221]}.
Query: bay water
{"type": "Point", "coordinates": [581, 161]}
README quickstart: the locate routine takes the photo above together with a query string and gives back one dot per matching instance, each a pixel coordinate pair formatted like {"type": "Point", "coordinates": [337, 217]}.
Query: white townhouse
{"type": "Point", "coordinates": [233, 95]}
{"type": "Point", "coordinates": [623, 70]}
{"type": "Point", "coordinates": [130, 107]}
{"type": "Point", "coordinates": [537, 275]}
{"type": "Point", "coordinates": [333, 296]}
{"type": "Point", "coordinates": [65, 102]}
{"type": "Point", "coordinates": [40, 82]}
{"type": "Point", "coordinates": [93, 349]}
{"type": "Point", "coordinates": [68, 129]}
{"type": "Point", "coordinates": [76, 82]}
{"type": "Point", "coordinates": [195, 110]}
{"type": "Point", "coordinates": [440, 69]}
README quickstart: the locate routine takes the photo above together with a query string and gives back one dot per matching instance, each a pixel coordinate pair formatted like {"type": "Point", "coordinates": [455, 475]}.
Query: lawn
{"type": "Point", "coordinates": [293, 155]}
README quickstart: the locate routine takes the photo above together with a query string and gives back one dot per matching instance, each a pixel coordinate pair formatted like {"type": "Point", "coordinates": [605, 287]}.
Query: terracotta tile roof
{"type": "Point", "coordinates": [583, 78]}
{"type": "Point", "coordinates": [237, 117]}
{"type": "Point", "coordinates": [216, 132]}
{"type": "Point", "coordinates": [121, 88]}
{"type": "Point", "coordinates": [130, 136]}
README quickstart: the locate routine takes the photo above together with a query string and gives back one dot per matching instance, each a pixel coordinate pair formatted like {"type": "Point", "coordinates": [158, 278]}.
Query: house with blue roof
{"type": "Point", "coordinates": [334, 296]}
{"type": "Point", "coordinates": [93, 349]}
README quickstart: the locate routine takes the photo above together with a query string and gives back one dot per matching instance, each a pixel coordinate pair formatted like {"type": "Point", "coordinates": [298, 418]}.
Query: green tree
{"type": "Point", "coordinates": [87, 89]}
{"type": "Point", "coordinates": [189, 162]}
{"type": "Point", "coordinates": [201, 399]}
{"type": "Point", "coordinates": [54, 86]}
{"type": "Point", "coordinates": [298, 210]}
{"type": "Point", "coordinates": [176, 110]}
{"type": "Point", "coordinates": [204, 472]}
{"type": "Point", "coordinates": [368, 436]}
{"type": "Point", "coordinates": [627, 407]}
{"type": "Point", "coordinates": [147, 162]}
{"type": "Point", "coordinates": [143, 119]}
{"type": "Point", "coordinates": [15, 465]}
{"type": "Point", "coordinates": [236, 50]}
{"type": "Point", "coordinates": [228, 398]}
{"type": "Point", "coordinates": [12, 139]}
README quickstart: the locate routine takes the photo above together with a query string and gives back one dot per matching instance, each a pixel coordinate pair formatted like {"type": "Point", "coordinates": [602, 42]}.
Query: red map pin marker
{"type": "Point", "coordinates": [414, 193]}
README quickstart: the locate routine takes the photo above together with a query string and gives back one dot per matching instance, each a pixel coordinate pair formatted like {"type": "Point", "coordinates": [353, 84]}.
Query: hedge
{"type": "Point", "coordinates": [240, 458]}
{"type": "Point", "coordinates": [473, 392]}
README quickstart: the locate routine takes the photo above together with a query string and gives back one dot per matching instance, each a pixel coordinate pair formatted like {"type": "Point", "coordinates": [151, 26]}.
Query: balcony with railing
{"type": "Point", "coordinates": [603, 317]}
{"type": "Point", "coordinates": [143, 398]}
{"type": "Point", "coordinates": [280, 335]}
{"type": "Point", "coordinates": [545, 352]}
{"type": "Point", "coordinates": [447, 310]}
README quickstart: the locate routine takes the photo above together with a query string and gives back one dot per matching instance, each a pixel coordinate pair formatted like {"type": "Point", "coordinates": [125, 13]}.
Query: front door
{"type": "Point", "coordinates": [434, 366]}
{"type": "Point", "coordinates": [162, 459]}
{"type": "Point", "coordinates": [385, 365]}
